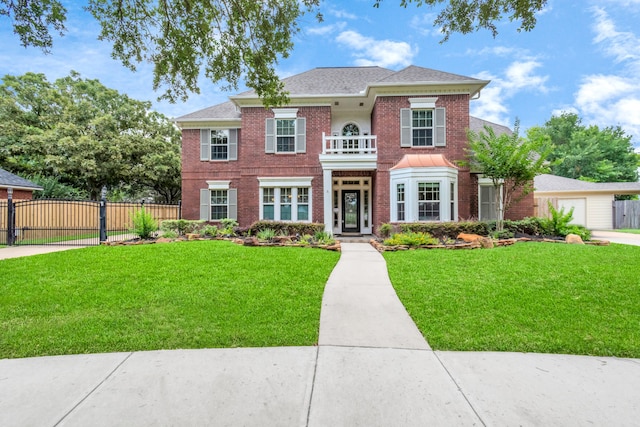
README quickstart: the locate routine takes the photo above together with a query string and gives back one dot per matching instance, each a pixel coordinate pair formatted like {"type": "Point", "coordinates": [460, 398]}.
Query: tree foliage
{"type": "Point", "coordinates": [226, 40]}
{"type": "Point", "coordinates": [590, 153]}
{"type": "Point", "coordinates": [466, 16]}
{"type": "Point", "coordinates": [87, 136]}
{"type": "Point", "coordinates": [511, 162]}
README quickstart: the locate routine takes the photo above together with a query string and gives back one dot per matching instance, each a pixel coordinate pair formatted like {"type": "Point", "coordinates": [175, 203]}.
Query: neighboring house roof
{"type": "Point", "coordinates": [554, 184]}
{"type": "Point", "coordinates": [477, 125]}
{"type": "Point", "coordinates": [9, 180]}
{"type": "Point", "coordinates": [424, 161]}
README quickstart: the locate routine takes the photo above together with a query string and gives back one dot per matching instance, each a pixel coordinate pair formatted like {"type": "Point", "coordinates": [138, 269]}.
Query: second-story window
{"type": "Point", "coordinates": [422, 128]}
{"type": "Point", "coordinates": [219, 145]}
{"type": "Point", "coordinates": [285, 132]}
{"type": "Point", "coordinates": [285, 135]}
{"type": "Point", "coordinates": [423, 125]}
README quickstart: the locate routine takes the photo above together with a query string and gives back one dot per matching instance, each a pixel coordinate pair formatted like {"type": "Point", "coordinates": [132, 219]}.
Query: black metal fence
{"type": "Point", "coordinates": [73, 222]}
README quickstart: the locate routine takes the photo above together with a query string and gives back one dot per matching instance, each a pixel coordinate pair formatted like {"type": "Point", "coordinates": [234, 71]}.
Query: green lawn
{"type": "Point", "coordinates": [530, 297]}
{"type": "Point", "coordinates": [163, 296]}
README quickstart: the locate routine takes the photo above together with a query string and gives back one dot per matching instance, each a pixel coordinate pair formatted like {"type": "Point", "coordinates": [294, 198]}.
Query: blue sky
{"type": "Point", "coordinates": [583, 56]}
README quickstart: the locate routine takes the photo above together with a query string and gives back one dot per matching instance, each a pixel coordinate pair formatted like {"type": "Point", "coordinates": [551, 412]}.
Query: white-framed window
{"type": "Point", "coordinates": [285, 135]}
{"type": "Point", "coordinates": [268, 203]}
{"type": "Point", "coordinates": [218, 201]}
{"type": "Point", "coordinates": [285, 132]}
{"type": "Point", "coordinates": [219, 204]}
{"type": "Point", "coordinates": [424, 194]}
{"type": "Point", "coordinates": [400, 202]}
{"type": "Point", "coordinates": [285, 199]}
{"type": "Point", "coordinates": [303, 203]}
{"type": "Point", "coordinates": [422, 128]}
{"type": "Point", "coordinates": [428, 201]}
{"type": "Point", "coordinates": [423, 125]}
{"type": "Point", "coordinates": [218, 144]}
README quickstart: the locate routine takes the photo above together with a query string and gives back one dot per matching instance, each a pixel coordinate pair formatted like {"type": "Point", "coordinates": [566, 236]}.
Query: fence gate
{"type": "Point", "coordinates": [73, 222]}
{"type": "Point", "coordinates": [626, 214]}
{"type": "Point", "coordinates": [55, 222]}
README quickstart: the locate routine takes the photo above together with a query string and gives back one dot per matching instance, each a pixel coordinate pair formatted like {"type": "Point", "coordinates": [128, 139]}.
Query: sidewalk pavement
{"type": "Point", "coordinates": [371, 368]}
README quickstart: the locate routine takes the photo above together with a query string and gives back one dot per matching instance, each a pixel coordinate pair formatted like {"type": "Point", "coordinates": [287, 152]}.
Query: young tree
{"type": "Point", "coordinates": [511, 162]}
{"type": "Point", "coordinates": [225, 40]}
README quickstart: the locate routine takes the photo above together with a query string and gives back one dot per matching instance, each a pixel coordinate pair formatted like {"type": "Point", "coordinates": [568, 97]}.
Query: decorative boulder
{"type": "Point", "coordinates": [574, 239]}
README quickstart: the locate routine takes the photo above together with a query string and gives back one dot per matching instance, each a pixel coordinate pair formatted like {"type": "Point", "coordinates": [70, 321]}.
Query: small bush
{"type": "Point", "coordinates": [228, 226]}
{"type": "Point", "coordinates": [385, 230]}
{"type": "Point", "coordinates": [181, 226]}
{"type": "Point", "coordinates": [169, 234]}
{"type": "Point", "coordinates": [143, 223]}
{"type": "Point", "coordinates": [209, 230]}
{"type": "Point", "coordinates": [411, 239]}
{"type": "Point", "coordinates": [266, 235]}
{"type": "Point", "coordinates": [324, 238]}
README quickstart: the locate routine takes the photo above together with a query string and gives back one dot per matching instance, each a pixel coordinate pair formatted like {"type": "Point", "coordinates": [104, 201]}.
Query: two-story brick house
{"type": "Point", "coordinates": [356, 147]}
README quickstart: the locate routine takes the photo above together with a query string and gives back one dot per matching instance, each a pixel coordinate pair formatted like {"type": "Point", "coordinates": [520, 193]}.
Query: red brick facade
{"type": "Point", "coordinates": [17, 194]}
{"type": "Point", "coordinates": [253, 162]}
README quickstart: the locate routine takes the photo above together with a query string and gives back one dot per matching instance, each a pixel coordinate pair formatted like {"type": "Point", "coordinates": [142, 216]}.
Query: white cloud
{"type": "Point", "coordinates": [342, 14]}
{"type": "Point", "coordinates": [327, 29]}
{"type": "Point", "coordinates": [518, 77]}
{"type": "Point", "coordinates": [423, 24]}
{"type": "Point", "coordinates": [613, 99]}
{"type": "Point", "coordinates": [384, 53]}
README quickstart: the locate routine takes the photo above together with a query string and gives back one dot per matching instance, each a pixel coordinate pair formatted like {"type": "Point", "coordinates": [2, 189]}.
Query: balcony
{"type": "Point", "coordinates": [349, 152]}
{"type": "Point", "coordinates": [349, 145]}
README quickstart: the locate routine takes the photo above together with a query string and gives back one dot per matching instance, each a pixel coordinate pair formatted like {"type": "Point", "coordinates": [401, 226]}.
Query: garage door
{"type": "Point", "coordinates": [579, 209]}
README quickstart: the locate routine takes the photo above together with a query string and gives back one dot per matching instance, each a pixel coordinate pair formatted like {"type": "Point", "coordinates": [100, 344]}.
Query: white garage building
{"type": "Point", "coordinates": [592, 202]}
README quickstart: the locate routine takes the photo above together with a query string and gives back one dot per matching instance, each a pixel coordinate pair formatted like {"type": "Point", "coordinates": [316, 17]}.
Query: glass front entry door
{"type": "Point", "coordinates": [351, 211]}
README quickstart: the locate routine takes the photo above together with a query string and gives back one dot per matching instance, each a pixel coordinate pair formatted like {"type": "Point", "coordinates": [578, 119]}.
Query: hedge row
{"type": "Point", "coordinates": [531, 226]}
{"type": "Point", "coordinates": [285, 228]}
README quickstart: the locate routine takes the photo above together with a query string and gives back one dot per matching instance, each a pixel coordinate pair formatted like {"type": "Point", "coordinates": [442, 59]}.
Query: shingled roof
{"type": "Point", "coordinates": [553, 183]}
{"type": "Point", "coordinates": [9, 180]}
{"type": "Point", "coordinates": [477, 125]}
{"type": "Point", "coordinates": [337, 81]}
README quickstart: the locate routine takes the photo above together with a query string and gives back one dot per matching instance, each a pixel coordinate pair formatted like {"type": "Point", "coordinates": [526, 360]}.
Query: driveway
{"type": "Point", "coordinates": [615, 237]}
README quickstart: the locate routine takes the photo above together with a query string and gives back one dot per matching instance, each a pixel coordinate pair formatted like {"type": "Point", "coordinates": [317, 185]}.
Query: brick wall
{"type": "Point", "coordinates": [253, 162]}
{"type": "Point", "coordinates": [17, 194]}
{"type": "Point", "coordinates": [385, 123]}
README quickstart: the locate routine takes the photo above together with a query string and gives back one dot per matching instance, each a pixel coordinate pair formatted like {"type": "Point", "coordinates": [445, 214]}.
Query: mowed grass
{"type": "Point", "coordinates": [530, 297]}
{"type": "Point", "coordinates": [163, 296]}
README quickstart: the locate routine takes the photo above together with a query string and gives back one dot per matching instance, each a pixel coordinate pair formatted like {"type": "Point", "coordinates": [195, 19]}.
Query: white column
{"type": "Point", "coordinates": [327, 183]}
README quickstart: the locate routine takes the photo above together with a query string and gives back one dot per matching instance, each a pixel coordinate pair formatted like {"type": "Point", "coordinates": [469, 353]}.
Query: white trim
{"type": "Point", "coordinates": [278, 181]}
{"type": "Point", "coordinates": [422, 103]}
{"type": "Point", "coordinates": [292, 183]}
{"type": "Point", "coordinates": [285, 113]}
{"type": "Point", "coordinates": [218, 185]}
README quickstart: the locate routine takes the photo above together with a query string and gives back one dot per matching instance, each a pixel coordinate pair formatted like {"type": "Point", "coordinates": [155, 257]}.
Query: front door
{"type": "Point", "coordinates": [351, 211]}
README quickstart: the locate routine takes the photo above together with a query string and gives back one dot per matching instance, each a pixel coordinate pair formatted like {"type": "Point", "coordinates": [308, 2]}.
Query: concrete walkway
{"type": "Point", "coordinates": [371, 368]}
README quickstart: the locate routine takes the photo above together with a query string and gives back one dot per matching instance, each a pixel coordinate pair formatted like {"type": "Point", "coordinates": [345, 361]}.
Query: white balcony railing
{"type": "Point", "coordinates": [352, 145]}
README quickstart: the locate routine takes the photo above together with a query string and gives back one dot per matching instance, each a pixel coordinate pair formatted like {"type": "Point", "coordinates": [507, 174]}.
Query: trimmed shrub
{"type": "Point", "coordinates": [411, 239]}
{"type": "Point", "coordinates": [285, 228]}
{"type": "Point", "coordinates": [181, 226]}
